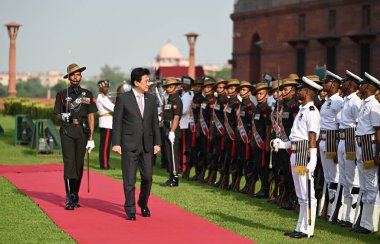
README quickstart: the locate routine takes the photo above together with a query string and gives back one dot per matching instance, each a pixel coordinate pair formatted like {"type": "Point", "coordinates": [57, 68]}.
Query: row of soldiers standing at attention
{"type": "Point", "coordinates": [318, 140]}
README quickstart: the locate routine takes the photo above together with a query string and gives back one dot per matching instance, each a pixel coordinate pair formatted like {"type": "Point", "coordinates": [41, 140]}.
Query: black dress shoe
{"type": "Point", "coordinates": [172, 183]}
{"type": "Point", "coordinates": [69, 202]}
{"type": "Point", "coordinates": [362, 230]}
{"type": "Point", "coordinates": [245, 189]}
{"type": "Point", "coordinates": [299, 235]}
{"type": "Point", "coordinates": [69, 206]}
{"type": "Point", "coordinates": [75, 200]}
{"type": "Point", "coordinates": [289, 233]}
{"type": "Point", "coordinates": [261, 194]}
{"type": "Point", "coordinates": [131, 216]}
{"type": "Point", "coordinates": [345, 224]}
{"type": "Point", "coordinates": [145, 212]}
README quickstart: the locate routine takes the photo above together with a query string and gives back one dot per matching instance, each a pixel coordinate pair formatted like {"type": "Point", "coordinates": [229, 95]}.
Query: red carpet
{"type": "Point", "coordinates": [101, 219]}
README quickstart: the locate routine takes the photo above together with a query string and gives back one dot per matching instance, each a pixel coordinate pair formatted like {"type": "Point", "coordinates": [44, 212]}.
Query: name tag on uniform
{"type": "Point", "coordinates": [217, 107]}
{"type": "Point", "coordinates": [285, 115]}
{"type": "Point", "coordinates": [242, 113]}
{"type": "Point", "coordinates": [203, 105]}
{"type": "Point", "coordinates": [257, 117]}
{"type": "Point", "coordinates": [168, 106]}
{"type": "Point", "coordinates": [194, 106]}
{"type": "Point", "coordinates": [228, 110]}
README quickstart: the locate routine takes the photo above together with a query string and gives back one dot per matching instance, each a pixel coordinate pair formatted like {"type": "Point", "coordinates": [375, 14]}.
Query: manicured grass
{"type": "Point", "coordinates": [252, 218]}
{"type": "Point", "coordinates": [22, 221]}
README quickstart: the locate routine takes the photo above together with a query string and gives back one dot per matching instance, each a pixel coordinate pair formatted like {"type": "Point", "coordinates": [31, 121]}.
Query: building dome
{"type": "Point", "coordinates": [169, 51]}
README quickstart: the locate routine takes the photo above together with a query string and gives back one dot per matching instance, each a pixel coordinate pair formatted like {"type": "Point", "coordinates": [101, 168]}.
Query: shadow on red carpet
{"type": "Point", "coordinates": [101, 219]}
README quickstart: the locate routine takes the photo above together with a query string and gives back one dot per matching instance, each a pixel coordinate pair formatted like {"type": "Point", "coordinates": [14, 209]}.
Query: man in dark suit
{"type": "Point", "coordinates": [136, 136]}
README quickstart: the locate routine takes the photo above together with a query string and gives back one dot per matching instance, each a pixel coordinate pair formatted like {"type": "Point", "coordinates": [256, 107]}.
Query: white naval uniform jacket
{"type": "Point", "coordinates": [330, 111]}
{"type": "Point", "coordinates": [187, 97]}
{"type": "Point", "coordinates": [369, 117]}
{"type": "Point", "coordinates": [105, 106]}
{"type": "Point", "coordinates": [307, 120]}
{"type": "Point", "coordinates": [349, 113]}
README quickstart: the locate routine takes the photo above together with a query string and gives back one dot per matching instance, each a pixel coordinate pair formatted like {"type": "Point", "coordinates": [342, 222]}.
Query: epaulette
{"type": "Point", "coordinates": [312, 108]}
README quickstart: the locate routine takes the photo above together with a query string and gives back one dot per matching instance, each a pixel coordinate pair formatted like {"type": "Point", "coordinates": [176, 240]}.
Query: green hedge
{"type": "Point", "coordinates": [36, 110]}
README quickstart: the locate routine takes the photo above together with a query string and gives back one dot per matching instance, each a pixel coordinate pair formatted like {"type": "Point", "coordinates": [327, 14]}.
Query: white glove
{"type": "Point", "coordinates": [171, 137]}
{"type": "Point", "coordinates": [65, 116]}
{"type": "Point", "coordinates": [278, 143]}
{"type": "Point", "coordinates": [312, 163]}
{"type": "Point", "coordinates": [90, 145]}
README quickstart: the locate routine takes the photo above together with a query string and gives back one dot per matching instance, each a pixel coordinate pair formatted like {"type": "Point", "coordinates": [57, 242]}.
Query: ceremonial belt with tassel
{"type": "Point", "coordinates": [192, 125]}
{"type": "Point", "coordinates": [217, 122]}
{"type": "Point", "coordinates": [243, 134]}
{"type": "Point", "coordinates": [230, 132]}
{"type": "Point", "coordinates": [282, 131]}
{"type": "Point", "coordinates": [366, 142]}
{"type": "Point", "coordinates": [205, 129]}
{"type": "Point", "coordinates": [256, 135]}
{"type": "Point", "coordinates": [331, 143]}
{"type": "Point", "coordinates": [348, 135]}
{"type": "Point", "coordinates": [301, 149]}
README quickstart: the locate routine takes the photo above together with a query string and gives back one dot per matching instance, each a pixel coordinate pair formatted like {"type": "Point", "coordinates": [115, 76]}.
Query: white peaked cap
{"type": "Point", "coordinates": [311, 83]}
{"type": "Point", "coordinates": [333, 75]}
{"type": "Point", "coordinates": [349, 73]}
{"type": "Point", "coordinates": [371, 78]}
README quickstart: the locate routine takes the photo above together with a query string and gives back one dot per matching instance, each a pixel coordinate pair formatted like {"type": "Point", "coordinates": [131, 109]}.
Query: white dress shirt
{"type": "Point", "coordinates": [137, 98]}
{"type": "Point", "coordinates": [105, 106]}
{"type": "Point", "coordinates": [330, 112]}
{"type": "Point", "coordinates": [349, 113]}
{"type": "Point", "coordinates": [307, 120]}
{"type": "Point", "coordinates": [369, 117]}
{"type": "Point", "coordinates": [186, 98]}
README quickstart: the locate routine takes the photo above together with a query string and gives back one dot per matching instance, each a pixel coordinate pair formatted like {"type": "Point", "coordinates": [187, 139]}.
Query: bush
{"type": "Point", "coordinates": [36, 110]}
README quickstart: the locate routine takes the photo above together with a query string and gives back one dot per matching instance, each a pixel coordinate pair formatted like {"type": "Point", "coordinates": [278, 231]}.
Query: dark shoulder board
{"type": "Point", "coordinates": [312, 108]}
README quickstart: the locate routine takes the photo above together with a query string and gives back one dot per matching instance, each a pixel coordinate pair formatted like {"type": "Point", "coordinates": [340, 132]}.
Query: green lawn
{"type": "Point", "coordinates": [252, 218]}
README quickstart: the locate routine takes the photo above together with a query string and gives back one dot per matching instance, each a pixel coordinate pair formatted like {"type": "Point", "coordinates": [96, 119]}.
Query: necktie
{"type": "Point", "coordinates": [140, 103]}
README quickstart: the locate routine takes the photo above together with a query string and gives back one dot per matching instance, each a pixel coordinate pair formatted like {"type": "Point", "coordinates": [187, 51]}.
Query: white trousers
{"type": "Point", "coordinates": [300, 184]}
{"type": "Point", "coordinates": [348, 178]}
{"type": "Point", "coordinates": [368, 178]}
{"type": "Point", "coordinates": [330, 169]}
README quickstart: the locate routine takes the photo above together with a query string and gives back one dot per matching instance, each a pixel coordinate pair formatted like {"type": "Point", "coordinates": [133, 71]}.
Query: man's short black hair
{"type": "Point", "coordinates": [137, 73]}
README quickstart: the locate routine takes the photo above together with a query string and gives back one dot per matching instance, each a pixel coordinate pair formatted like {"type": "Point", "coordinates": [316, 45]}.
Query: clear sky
{"type": "Point", "coordinates": [123, 33]}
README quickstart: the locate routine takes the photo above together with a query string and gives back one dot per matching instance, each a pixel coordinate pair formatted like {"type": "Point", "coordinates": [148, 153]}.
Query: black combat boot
{"type": "Point", "coordinates": [75, 184]}
{"type": "Point", "coordinates": [69, 201]}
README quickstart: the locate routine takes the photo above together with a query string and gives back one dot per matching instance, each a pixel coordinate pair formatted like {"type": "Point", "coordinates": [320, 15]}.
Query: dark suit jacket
{"type": "Point", "coordinates": [130, 130]}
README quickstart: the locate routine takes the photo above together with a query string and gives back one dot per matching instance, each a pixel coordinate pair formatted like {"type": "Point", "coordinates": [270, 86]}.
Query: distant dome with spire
{"type": "Point", "coordinates": [170, 56]}
{"type": "Point", "coordinates": [169, 51]}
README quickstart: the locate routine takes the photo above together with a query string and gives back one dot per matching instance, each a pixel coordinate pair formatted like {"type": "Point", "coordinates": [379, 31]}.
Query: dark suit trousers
{"type": "Point", "coordinates": [130, 162]}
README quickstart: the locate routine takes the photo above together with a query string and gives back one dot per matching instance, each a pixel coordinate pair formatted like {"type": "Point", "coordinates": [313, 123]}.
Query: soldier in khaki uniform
{"type": "Point", "coordinates": [261, 138]}
{"type": "Point", "coordinates": [205, 128]}
{"type": "Point", "coordinates": [244, 135]}
{"type": "Point", "coordinates": [218, 132]}
{"type": "Point", "coordinates": [230, 124]}
{"type": "Point", "coordinates": [171, 116]}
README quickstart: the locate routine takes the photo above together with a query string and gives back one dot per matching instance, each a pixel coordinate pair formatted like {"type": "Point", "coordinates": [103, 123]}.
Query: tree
{"type": "Point", "coordinates": [225, 73]}
{"type": "Point", "coordinates": [3, 90]}
{"type": "Point", "coordinates": [30, 88]}
{"type": "Point", "coordinates": [113, 74]}
{"type": "Point", "coordinates": [58, 87]}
